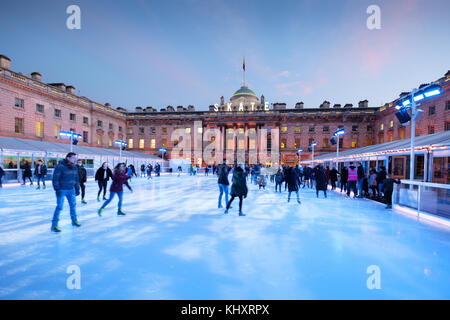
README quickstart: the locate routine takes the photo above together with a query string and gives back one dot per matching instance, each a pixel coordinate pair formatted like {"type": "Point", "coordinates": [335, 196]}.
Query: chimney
{"type": "Point", "coordinates": [279, 106]}
{"type": "Point", "coordinates": [180, 108]}
{"type": "Point", "coordinates": [5, 62]}
{"type": "Point", "coordinates": [60, 86]}
{"type": "Point", "coordinates": [211, 108]}
{"type": "Point", "coordinates": [337, 105]}
{"type": "Point", "coordinates": [70, 89]}
{"type": "Point", "coordinates": [162, 110]}
{"type": "Point", "coordinates": [348, 105]}
{"type": "Point", "coordinates": [263, 99]}
{"type": "Point", "coordinates": [299, 105]}
{"type": "Point", "coordinates": [325, 104]}
{"type": "Point", "coordinates": [36, 76]}
{"type": "Point", "coordinates": [363, 104]}
{"type": "Point", "coordinates": [191, 108]}
{"type": "Point", "coordinates": [107, 105]}
{"type": "Point", "coordinates": [138, 109]}
{"type": "Point", "coordinates": [170, 108]}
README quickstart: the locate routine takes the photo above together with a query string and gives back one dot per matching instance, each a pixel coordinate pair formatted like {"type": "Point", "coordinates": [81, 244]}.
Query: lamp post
{"type": "Point", "coordinates": [337, 133]}
{"type": "Point", "coordinates": [163, 151]}
{"type": "Point", "coordinates": [411, 101]}
{"type": "Point", "coordinates": [299, 152]}
{"type": "Point", "coordinates": [73, 137]}
{"type": "Point", "coordinates": [312, 145]}
{"type": "Point", "coordinates": [122, 145]}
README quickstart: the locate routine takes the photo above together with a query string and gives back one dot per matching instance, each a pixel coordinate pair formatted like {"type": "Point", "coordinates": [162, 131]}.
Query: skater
{"type": "Point", "coordinates": [333, 178]}
{"type": "Point", "coordinates": [27, 173]}
{"type": "Point", "coordinates": [142, 170]}
{"type": "Point", "coordinates": [361, 177]}
{"type": "Point", "coordinates": [129, 172]}
{"type": "Point", "coordinates": [222, 173]}
{"type": "Point", "coordinates": [238, 189]}
{"type": "Point", "coordinates": [119, 179]}
{"type": "Point", "coordinates": [82, 177]}
{"type": "Point", "coordinates": [66, 185]}
{"type": "Point", "coordinates": [40, 172]}
{"type": "Point", "coordinates": [179, 170]}
{"type": "Point", "coordinates": [149, 171]}
{"type": "Point", "coordinates": [388, 188]}
{"type": "Point", "coordinates": [261, 181]}
{"type": "Point", "coordinates": [2, 173]}
{"type": "Point", "coordinates": [157, 169]}
{"type": "Point", "coordinates": [380, 178]}
{"type": "Point", "coordinates": [293, 182]}
{"type": "Point", "coordinates": [344, 179]}
{"type": "Point", "coordinates": [206, 171]}
{"type": "Point", "coordinates": [321, 180]}
{"type": "Point", "coordinates": [102, 176]}
{"type": "Point", "coordinates": [352, 179]}
{"type": "Point", "coordinates": [279, 178]}
{"type": "Point", "coordinates": [373, 183]}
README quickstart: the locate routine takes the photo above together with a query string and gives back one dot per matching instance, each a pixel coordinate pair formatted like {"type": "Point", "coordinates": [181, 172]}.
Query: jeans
{"type": "Point", "coordinates": [324, 192]}
{"type": "Point", "coordinates": [388, 196]}
{"type": "Point", "coordinates": [240, 202]}
{"type": "Point", "coordinates": [380, 189]}
{"type": "Point", "coordinates": [360, 184]}
{"type": "Point", "coordinates": [277, 186]}
{"type": "Point", "coordinates": [351, 185]}
{"type": "Point", "coordinates": [296, 192]}
{"type": "Point", "coordinates": [39, 178]}
{"type": "Point", "coordinates": [102, 186]}
{"type": "Point", "coordinates": [111, 196]}
{"type": "Point", "coordinates": [83, 190]}
{"type": "Point", "coordinates": [223, 188]}
{"type": "Point", "coordinates": [70, 195]}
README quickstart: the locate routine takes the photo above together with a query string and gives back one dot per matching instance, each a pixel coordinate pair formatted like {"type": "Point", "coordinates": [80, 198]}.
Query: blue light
{"type": "Point", "coordinates": [339, 132]}
{"type": "Point", "coordinates": [406, 102]}
{"type": "Point", "coordinates": [300, 150]}
{"type": "Point", "coordinates": [398, 107]}
{"type": "Point", "coordinates": [120, 143]}
{"type": "Point", "coordinates": [313, 144]}
{"type": "Point", "coordinates": [431, 93]}
{"type": "Point", "coordinates": [162, 150]}
{"type": "Point", "coordinates": [419, 97]}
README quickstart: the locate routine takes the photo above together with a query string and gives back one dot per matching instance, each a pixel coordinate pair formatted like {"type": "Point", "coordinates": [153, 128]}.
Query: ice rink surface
{"type": "Point", "coordinates": [174, 243]}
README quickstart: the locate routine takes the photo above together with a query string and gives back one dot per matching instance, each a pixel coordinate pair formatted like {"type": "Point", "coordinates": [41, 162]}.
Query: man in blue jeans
{"type": "Point", "coordinates": [360, 180]}
{"type": "Point", "coordinates": [67, 185]}
{"type": "Point", "coordinates": [222, 172]}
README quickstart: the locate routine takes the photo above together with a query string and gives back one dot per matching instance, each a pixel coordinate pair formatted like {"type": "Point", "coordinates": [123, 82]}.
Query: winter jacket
{"type": "Point", "coordinates": [373, 179]}
{"type": "Point", "coordinates": [119, 179]}
{"type": "Point", "coordinates": [2, 172]}
{"type": "Point", "coordinates": [82, 174]}
{"type": "Point", "coordinates": [388, 184]}
{"type": "Point", "coordinates": [360, 172]}
{"type": "Point", "coordinates": [65, 177]}
{"type": "Point", "coordinates": [352, 174]}
{"type": "Point", "coordinates": [279, 177]}
{"type": "Point", "coordinates": [321, 179]}
{"type": "Point", "coordinates": [344, 175]}
{"type": "Point", "coordinates": [239, 185]}
{"type": "Point", "coordinates": [43, 170]}
{"type": "Point", "coordinates": [27, 171]}
{"type": "Point", "coordinates": [292, 179]}
{"type": "Point", "coordinates": [100, 174]}
{"type": "Point", "coordinates": [261, 180]}
{"type": "Point", "coordinates": [381, 176]}
{"type": "Point", "coordinates": [222, 172]}
{"type": "Point", "coordinates": [333, 174]}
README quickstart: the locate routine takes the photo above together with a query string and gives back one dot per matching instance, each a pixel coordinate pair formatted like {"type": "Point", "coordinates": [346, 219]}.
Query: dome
{"type": "Point", "coordinates": [244, 92]}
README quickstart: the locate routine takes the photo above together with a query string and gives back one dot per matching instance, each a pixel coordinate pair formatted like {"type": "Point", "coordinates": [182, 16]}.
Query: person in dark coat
{"type": "Point", "coordinates": [222, 173]}
{"type": "Point", "coordinates": [293, 182]}
{"type": "Point", "coordinates": [102, 176]}
{"type": "Point", "coordinates": [82, 176]}
{"type": "Point", "coordinates": [333, 178]}
{"type": "Point", "coordinates": [119, 179]}
{"type": "Point", "coordinates": [279, 178]}
{"type": "Point", "coordinates": [66, 185]}
{"type": "Point", "coordinates": [238, 189]}
{"type": "Point", "coordinates": [40, 171]}
{"type": "Point", "coordinates": [344, 179]}
{"type": "Point", "coordinates": [381, 176]}
{"type": "Point", "coordinates": [388, 188]}
{"type": "Point", "coordinates": [27, 173]}
{"type": "Point", "coordinates": [2, 173]}
{"type": "Point", "coordinates": [321, 180]}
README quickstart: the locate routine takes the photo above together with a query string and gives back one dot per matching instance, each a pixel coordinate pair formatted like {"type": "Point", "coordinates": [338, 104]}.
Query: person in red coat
{"type": "Point", "coordinates": [119, 179]}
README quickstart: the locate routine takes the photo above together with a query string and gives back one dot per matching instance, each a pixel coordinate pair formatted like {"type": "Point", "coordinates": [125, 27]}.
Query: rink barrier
{"type": "Point", "coordinates": [424, 200]}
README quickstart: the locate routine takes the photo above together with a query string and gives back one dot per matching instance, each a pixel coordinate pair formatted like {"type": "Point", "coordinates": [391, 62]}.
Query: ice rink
{"type": "Point", "coordinates": [174, 243]}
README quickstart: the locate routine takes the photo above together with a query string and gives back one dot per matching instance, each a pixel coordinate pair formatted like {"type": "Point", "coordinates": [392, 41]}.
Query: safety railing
{"type": "Point", "coordinates": [424, 198]}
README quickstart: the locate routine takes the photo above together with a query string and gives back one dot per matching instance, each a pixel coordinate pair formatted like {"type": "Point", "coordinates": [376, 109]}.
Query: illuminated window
{"type": "Point", "coordinates": [241, 130]}
{"type": "Point", "coordinates": [283, 129]}
{"type": "Point", "coordinates": [353, 144]}
{"type": "Point", "coordinates": [164, 130]}
{"type": "Point", "coordinates": [130, 143]}
{"type": "Point", "coordinates": [382, 126]}
{"type": "Point", "coordinates": [164, 143]}
{"type": "Point", "coordinates": [368, 141]}
{"type": "Point", "coordinates": [297, 129]}
{"type": "Point", "coordinates": [56, 130]}
{"type": "Point", "coordinates": [401, 133]}
{"type": "Point", "coordinates": [325, 143]}
{"type": "Point", "coordinates": [18, 125]}
{"type": "Point", "coordinates": [99, 139]}
{"type": "Point", "coordinates": [241, 144]}
{"type": "Point", "coordinates": [283, 143]}
{"type": "Point", "coordinates": [188, 130]}
{"type": "Point", "coordinates": [296, 143]}
{"type": "Point", "coordinates": [130, 131]}
{"type": "Point", "coordinates": [153, 143]}
{"type": "Point", "coordinates": [230, 145]}
{"type": "Point", "coordinates": [110, 141]}
{"type": "Point", "coordinates": [39, 129]}
{"type": "Point", "coordinates": [391, 124]}
{"type": "Point", "coordinates": [251, 144]}
{"type": "Point", "coordinates": [141, 143]}
{"type": "Point", "coordinates": [200, 130]}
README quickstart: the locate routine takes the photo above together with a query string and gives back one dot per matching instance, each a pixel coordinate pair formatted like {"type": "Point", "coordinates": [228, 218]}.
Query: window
{"type": "Point", "coordinates": [353, 144]}
{"type": "Point", "coordinates": [326, 129]}
{"type": "Point", "coordinates": [447, 125]}
{"type": "Point", "coordinates": [120, 129]}
{"type": "Point", "coordinates": [447, 105]}
{"type": "Point", "coordinates": [19, 103]}
{"type": "Point", "coordinates": [99, 123]}
{"type": "Point", "coordinates": [130, 143]}
{"type": "Point", "coordinates": [391, 124]}
{"type": "Point", "coordinates": [164, 143]}
{"type": "Point", "coordinates": [164, 130]}
{"type": "Point", "coordinates": [39, 108]}
{"type": "Point", "coordinates": [130, 131]}
{"type": "Point", "coordinates": [381, 138]}
{"type": "Point", "coordinates": [141, 143]}
{"type": "Point", "coordinates": [58, 113]}
{"type": "Point", "coordinates": [431, 110]}
{"type": "Point", "coordinates": [324, 143]}
{"type": "Point", "coordinates": [200, 130]}
{"type": "Point", "coordinates": [153, 143]}
{"type": "Point", "coordinates": [368, 141]}
{"type": "Point", "coordinates": [283, 143]}
{"type": "Point", "coordinates": [110, 142]}
{"type": "Point", "coordinates": [72, 117]}
{"type": "Point", "coordinates": [85, 136]}
{"type": "Point", "coordinates": [297, 143]}
{"type": "Point", "coordinates": [312, 129]}
{"type": "Point", "coordinates": [18, 125]}
{"type": "Point", "coordinates": [430, 129]}
{"type": "Point", "coordinates": [284, 129]}
{"type": "Point", "coordinates": [153, 130]}
{"type": "Point", "coordinates": [381, 126]}
{"type": "Point", "coordinates": [110, 126]}
{"type": "Point", "coordinates": [355, 128]}
{"type": "Point", "coordinates": [141, 130]}
{"type": "Point", "coordinates": [39, 129]}
{"type": "Point", "coordinates": [401, 133]}
{"type": "Point", "coordinates": [56, 130]}
{"type": "Point", "coordinates": [99, 139]}
{"type": "Point", "coordinates": [297, 129]}
{"type": "Point", "coordinates": [85, 120]}
{"type": "Point", "coordinates": [369, 128]}
{"type": "Point", "coordinates": [188, 130]}
{"type": "Point", "coordinates": [341, 143]}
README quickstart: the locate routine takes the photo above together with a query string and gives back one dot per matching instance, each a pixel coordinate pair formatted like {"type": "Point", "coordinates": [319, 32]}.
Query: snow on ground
{"type": "Point", "coordinates": [174, 243]}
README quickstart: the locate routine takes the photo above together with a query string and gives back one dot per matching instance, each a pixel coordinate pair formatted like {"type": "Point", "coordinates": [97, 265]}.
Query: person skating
{"type": "Point", "coordinates": [261, 181]}
{"type": "Point", "coordinates": [66, 185]}
{"type": "Point", "coordinates": [373, 182]}
{"type": "Point", "coordinates": [293, 182]}
{"type": "Point", "coordinates": [27, 173]}
{"type": "Point", "coordinates": [40, 172]}
{"type": "Point", "coordinates": [149, 171]}
{"type": "Point", "coordinates": [361, 176]}
{"type": "Point", "coordinates": [333, 178]}
{"type": "Point", "coordinates": [388, 188]}
{"type": "Point", "coordinates": [380, 178]}
{"type": "Point", "coordinates": [279, 178]}
{"type": "Point", "coordinates": [82, 177]}
{"type": "Point", "coordinates": [102, 177]}
{"type": "Point", "coordinates": [344, 179]}
{"type": "Point", "coordinates": [2, 173]}
{"type": "Point", "coordinates": [179, 170]}
{"type": "Point", "coordinates": [321, 180]}
{"type": "Point", "coordinates": [222, 181]}
{"type": "Point", "coordinates": [352, 179]}
{"type": "Point", "coordinates": [238, 189]}
{"type": "Point", "coordinates": [119, 179]}
{"type": "Point", "coordinates": [142, 170]}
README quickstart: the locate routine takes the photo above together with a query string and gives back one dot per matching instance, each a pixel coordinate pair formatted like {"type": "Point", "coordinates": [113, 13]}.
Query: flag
{"type": "Point", "coordinates": [243, 66]}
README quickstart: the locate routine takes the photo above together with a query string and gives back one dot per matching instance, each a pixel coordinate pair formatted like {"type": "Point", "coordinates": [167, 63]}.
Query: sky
{"type": "Point", "coordinates": [189, 52]}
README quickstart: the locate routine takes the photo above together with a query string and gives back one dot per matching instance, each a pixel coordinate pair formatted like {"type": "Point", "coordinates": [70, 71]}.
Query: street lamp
{"type": "Point", "coordinates": [122, 146]}
{"type": "Point", "coordinates": [299, 153]}
{"type": "Point", "coordinates": [163, 151]}
{"type": "Point", "coordinates": [73, 137]}
{"type": "Point", "coordinates": [412, 101]}
{"type": "Point", "coordinates": [337, 133]}
{"type": "Point", "coordinates": [311, 148]}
